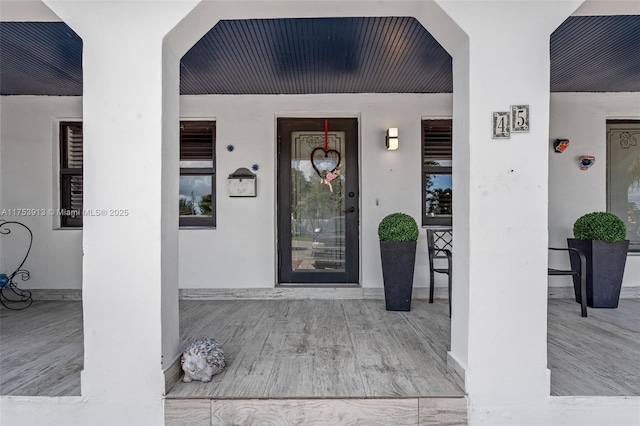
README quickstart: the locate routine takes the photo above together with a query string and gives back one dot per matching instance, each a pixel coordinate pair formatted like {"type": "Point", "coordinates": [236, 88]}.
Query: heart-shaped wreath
{"type": "Point", "coordinates": [326, 155]}
{"type": "Point", "coordinates": [333, 173]}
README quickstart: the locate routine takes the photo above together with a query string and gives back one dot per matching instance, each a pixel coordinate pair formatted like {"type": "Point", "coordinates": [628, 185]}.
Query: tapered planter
{"type": "Point", "coordinates": [398, 262]}
{"type": "Point", "coordinates": [605, 269]}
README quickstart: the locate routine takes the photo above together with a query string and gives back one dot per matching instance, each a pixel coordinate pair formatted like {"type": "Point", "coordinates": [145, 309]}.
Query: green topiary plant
{"type": "Point", "coordinates": [398, 227]}
{"type": "Point", "coordinates": [600, 226]}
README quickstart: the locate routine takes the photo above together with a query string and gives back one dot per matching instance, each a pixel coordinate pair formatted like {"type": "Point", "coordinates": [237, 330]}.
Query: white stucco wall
{"type": "Point", "coordinates": [241, 251]}
{"type": "Point", "coordinates": [28, 168]}
{"type": "Point", "coordinates": [581, 118]}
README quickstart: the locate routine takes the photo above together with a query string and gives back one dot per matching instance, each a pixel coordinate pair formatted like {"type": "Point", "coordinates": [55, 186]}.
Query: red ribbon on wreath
{"type": "Point", "coordinates": [326, 135]}
{"type": "Point", "coordinates": [331, 175]}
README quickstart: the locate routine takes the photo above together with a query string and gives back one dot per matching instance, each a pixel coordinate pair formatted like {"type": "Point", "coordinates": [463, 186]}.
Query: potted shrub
{"type": "Point", "coordinates": [601, 237]}
{"type": "Point", "coordinates": [398, 233]}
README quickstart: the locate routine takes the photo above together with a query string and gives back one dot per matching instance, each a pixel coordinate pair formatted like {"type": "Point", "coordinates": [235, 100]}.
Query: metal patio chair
{"type": "Point", "coordinates": [440, 244]}
{"type": "Point", "coordinates": [579, 284]}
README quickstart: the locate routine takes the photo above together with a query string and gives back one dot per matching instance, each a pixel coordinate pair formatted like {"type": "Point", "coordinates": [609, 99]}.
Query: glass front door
{"type": "Point", "coordinates": [317, 201]}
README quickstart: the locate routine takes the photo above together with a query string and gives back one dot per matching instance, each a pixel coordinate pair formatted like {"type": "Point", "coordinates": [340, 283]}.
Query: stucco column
{"type": "Point", "coordinates": [499, 324]}
{"type": "Point", "coordinates": [130, 234]}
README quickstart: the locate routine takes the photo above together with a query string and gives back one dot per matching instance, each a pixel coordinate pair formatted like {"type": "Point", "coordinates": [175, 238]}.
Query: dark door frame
{"type": "Point", "coordinates": [351, 274]}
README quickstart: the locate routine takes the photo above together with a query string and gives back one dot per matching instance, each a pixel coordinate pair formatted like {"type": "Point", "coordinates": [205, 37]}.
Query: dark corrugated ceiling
{"type": "Point", "coordinates": [596, 54]}
{"type": "Point", "coordinates": [320, 55]}
{"type": "Point", "coordinates": [40, 58]}
{"type": "Point", "coordinates": [324, 55]}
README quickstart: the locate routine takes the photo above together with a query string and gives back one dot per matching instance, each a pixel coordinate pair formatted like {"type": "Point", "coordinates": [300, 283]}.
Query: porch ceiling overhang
{"type": "Point", "coordinates": [324, 55]}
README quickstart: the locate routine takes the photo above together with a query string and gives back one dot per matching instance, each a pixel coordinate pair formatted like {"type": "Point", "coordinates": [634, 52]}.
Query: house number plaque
{"type": "Point", "coordinates": [501, 125]}
{"type": "Point", "coordinates": [520, 118]}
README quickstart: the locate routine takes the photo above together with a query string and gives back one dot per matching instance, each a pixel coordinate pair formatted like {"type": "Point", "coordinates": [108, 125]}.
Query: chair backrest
{"type": "Point", "coordinates": [439, 240]}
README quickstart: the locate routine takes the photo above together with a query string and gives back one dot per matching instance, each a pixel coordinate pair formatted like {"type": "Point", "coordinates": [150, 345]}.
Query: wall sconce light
{"type": "Point", "coordinates": [391, 141]}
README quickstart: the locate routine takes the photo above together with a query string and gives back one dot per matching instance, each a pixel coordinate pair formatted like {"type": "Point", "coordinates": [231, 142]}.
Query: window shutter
{"type": "Point", "coordinates": [73, 146]}
{"type": "Point", "coordinates": [436, 142]}
{"type": "Point", "coordinates": [196, 141]}
{"type": "Point", "coordinates": [75, 193]}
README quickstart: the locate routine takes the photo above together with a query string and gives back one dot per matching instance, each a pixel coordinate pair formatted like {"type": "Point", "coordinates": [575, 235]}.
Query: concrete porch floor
{"type": "Point", "coordinates": [325, 348]}
{"type": "Point", "coordinates": [320, 362]}
{"type": "Point", "coordinates": [321, 348]}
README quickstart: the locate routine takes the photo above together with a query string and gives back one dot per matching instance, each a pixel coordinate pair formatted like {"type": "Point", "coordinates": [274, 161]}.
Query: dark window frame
{"type": "Point", "coordinates": [634, 243]}
{"type": "Point", "coordinates": [68, 220]}
{"type": "Point", "coordinates": [444, 127]}
{"type": "Point", "coordinates": [200, 222]}
{"type": "Point", "coordinates": [75, 221]}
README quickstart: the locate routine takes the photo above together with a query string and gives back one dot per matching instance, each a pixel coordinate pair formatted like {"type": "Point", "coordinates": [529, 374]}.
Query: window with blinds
{"type": "Point", "coordinates": [197, 174]}
{"type": "Point", "coordinates": [437, 155]}
{"type": "Point", "coordinates": [71, 174]}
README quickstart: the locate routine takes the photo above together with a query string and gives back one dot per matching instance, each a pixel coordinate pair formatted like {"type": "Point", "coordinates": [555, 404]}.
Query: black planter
{"type": "Point", "coordinates": [398, 262]}
{"type": "Point", "coordinates": [605, 269]}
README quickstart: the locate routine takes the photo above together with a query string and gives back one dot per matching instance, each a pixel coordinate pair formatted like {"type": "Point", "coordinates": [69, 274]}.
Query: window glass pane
{"type": "Point", "coordinates": [196, 164]}
{"type": "Point", "coordinates": [317, 217]}
{"type": "Point", "coordinates": [195, 195]}
{"type": "Point", "coordinates": [442, 163]}
{"type": "Point", "coordinates": [623, 146]}
{"type": "Point", "coordinates": [623, 142]}
{"type": "Point", "coordinates": [438, 195]}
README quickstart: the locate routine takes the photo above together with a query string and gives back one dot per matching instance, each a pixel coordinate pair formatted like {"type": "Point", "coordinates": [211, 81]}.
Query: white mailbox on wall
{"type": "Point", "coordinates": [242, 183]}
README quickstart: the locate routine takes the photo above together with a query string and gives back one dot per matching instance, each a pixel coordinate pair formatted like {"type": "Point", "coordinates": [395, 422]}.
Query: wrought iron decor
{"type": "Point", "coordinates": [627, 140]}
{"type": "Point", "coordinates": [11, 296]}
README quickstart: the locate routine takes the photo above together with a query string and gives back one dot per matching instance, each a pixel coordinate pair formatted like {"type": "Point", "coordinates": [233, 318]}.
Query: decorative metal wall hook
{"type": "Point", "coordinates": [586, 161]}
{"type": "Point", "coordinates": [12, 297]}
{"type": "Point", "coordinates": [560, 145]}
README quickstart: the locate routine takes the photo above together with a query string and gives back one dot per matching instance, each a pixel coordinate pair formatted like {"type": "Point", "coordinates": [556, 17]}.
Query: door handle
{"type": "Point", "coordinates": [351, 209]}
